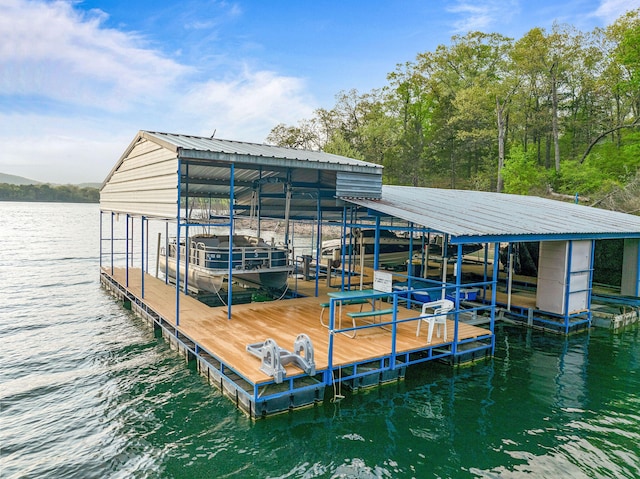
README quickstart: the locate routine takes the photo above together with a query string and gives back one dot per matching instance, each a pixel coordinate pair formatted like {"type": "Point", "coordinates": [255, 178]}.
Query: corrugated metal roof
{"type": "Point", "coordinates": [192, 166]}
{"type": "Point", "coordinates": [215, 145]}
{"type": "Point", "coordinates": [477, 214]}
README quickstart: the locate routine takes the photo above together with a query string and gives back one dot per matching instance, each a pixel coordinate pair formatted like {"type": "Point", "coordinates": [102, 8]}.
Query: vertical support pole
{"type": "Point", "coordinates": [318, 243]}
{"type": "Point", "coordinates": [187, 256]}
{"type": "Point", "coordinates": [258, 203]}
{"type": "Point", "coordinates": [178, 223]}
{"type": "Point", "coordinates": [494, 292]}
{"type": "Point", "coordinates": [376, 248]}
{"type": "Point", "coordinates": [187, 215]}
{"type": "Point", "coordinates": [142, 254]}
{"type": "Point", "coordinates": [394, 331]}
{"type": "Point", "coordinates": [343, 248]}
{"type": "Point", "coordinates": [445, 259]}
{"type": "Point", "coordinates": [591, 269]}
{"type": "Point", "coordinates": [146, 260]}
{"type": "Point", "coordinates": [567, 288]}
{"type": "Point", "coordinates": [456, 315]}
{"type": "Point", "coordinates": [486, 268]}
{"type": "Point", "coordinates": [510, 275]}
{"type": "Point", "coordinates": [126, 253]}
{"type": "Point", "coordinates": [112, 241]}
{"type": "Point", "coordinates": [410, 272]}
{"type": "Point", "coordinates": [363, 252]}
{"type": "Point", "coordinates": [178, 227]}
{"type": "Point", "coordinates": [425, 273]}
{"type": "Point", "coordinates": [231, 227]}
{"type": "Point", "coordinates": [332, 316]}
{"type": "Point", "coordinates": [130, 218]}
{"type": "Point", "coordinates": [100, 247]}
{"type": "Point", "coordinates": [287, 208]}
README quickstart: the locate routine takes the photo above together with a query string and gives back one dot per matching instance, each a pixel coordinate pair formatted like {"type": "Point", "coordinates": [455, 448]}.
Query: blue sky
{"type": "Point", "coordinates": [78, 79]}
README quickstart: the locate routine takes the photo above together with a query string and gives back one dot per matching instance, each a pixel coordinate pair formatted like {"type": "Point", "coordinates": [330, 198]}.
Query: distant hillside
{"type": "Point", "coordinates": [17, 180]}
{"type": "Point", "coordinates": [44, 192]}
{"type": "Point", "coordinates": [21, 180]}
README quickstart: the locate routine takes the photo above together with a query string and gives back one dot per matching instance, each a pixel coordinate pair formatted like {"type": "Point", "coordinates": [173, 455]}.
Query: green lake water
{"type": "Point", "coordinates": [88, 391]}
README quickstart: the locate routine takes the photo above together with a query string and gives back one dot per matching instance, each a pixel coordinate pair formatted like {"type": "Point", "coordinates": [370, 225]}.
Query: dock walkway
{"type": "Point", "coordinates": [208, 330]}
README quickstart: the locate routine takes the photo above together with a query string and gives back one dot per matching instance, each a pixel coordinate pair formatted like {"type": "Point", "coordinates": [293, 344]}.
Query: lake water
{"type": "Point", "coordinates": [88, 391]}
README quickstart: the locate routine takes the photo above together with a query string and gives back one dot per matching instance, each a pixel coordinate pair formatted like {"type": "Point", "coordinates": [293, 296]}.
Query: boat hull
{"type": "Point", "coordinates": [202, 279]}
{"type": "Point", "coordinates": [253, 263]}
{"type": "Point", "coordinates": [197, 279]}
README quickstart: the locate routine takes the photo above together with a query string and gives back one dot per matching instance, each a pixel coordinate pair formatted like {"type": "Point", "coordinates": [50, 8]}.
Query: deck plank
{"type": "Point", "coordinates": [281, 321]}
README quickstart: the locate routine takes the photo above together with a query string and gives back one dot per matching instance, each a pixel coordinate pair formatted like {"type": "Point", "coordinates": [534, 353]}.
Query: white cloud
{"type": "Point", "coordinates": [75, 93]}
{"type": "Point", "coordinates": [610, 10]}
{"type": "Point", "coordinates": [51, 50]}
{"type": "Point", "coordinates": [248, 106]}
{"type": "Point", "coordinates": [481, 15]}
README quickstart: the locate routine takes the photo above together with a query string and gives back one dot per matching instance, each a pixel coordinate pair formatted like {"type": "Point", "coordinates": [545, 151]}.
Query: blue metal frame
{"type": "Point", "coordinates": [231, 227]}
{"type": "Point", "coordinates": [112, 240]}
{"type": "Point", "coordinates": [126, 254]}
{"type": "Point", "coordinates": [142, 254]}
{"type": "Point", "coordinates": [318, 244]}
{"type": "Point", "coordinates": [391, 358]}
{"type": "Point", "coordinates": [178, 221]}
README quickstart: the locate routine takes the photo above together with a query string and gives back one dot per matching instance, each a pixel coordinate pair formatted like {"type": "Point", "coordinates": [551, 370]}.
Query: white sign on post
{"type": "Point", "coordinates": [383, 281]}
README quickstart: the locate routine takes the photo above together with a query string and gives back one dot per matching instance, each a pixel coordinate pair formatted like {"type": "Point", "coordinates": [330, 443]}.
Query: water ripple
{"type": "Point", "coordinates": [88, 391]}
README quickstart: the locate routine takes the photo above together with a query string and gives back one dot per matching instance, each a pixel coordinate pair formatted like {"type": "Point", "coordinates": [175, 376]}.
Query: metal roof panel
{"type": "Point", "coordinates": [463, 213]}
{"type": "Point", "coordinates": [215, 145]}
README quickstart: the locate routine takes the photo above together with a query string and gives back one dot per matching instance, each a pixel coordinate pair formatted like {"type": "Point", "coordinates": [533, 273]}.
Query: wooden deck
{"type": "Point", "coordinates": [281, 321]}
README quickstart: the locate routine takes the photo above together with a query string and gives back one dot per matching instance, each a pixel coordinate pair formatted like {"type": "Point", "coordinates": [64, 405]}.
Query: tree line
{"type": "Point", "coordinates": [49, 193]}
{"type": "Point", "coordinates": [553, 111]}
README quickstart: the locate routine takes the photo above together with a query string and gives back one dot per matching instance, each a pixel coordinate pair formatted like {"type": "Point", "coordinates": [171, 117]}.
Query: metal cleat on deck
{"type": "Point", "coordinates": [275, 358]}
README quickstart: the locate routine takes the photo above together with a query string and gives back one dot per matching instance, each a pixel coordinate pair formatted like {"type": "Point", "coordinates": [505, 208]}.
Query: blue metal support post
{"type": "Point", "coordinates": [458, 275]}
{"type": "Point", "coordinates": [376, 248]}
{"type": "Point", "coordinates": [494, 289]}
{"type": "Point", "coordinates": [231, 213]}
{"type": "Point", "coordinates": [332, 313]}
{"type": "Point", "coordinates": [318, 244]}
{"type": "Point", "coordinates": [178, 242]}
{"type": "Point", "coordinates": [126, 254]}
{"type": "Point", "coordinates": [591, 268]}
{"type": "Point", "coordinates": [142, 255]}
{"type": "Point", "coordinates": [394, 333]}
{"type": "Point", "coordinates": [112, 242]}
{"type": "Point", "coordinates": [100, 249]}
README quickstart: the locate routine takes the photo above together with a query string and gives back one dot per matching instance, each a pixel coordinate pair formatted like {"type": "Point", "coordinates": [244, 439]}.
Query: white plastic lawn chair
{"type": "Point", "coordinates": [438, 316]}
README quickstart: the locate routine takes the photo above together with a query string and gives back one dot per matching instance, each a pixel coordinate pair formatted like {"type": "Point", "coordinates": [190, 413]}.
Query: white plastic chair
{"type": "Point", "coordinates": [438, 317]}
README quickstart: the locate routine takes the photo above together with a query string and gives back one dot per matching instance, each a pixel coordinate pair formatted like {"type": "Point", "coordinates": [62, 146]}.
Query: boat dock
{"type": "Point", "coordinates": [280, 354]}
{"type": "Point", "coordinates": [219, 344]}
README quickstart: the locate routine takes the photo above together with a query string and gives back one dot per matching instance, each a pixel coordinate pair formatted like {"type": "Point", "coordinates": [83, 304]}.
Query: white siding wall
{"type": "Point", "coordinates": [555, 268]}
{"type": "Point", "coordinates": [145, 183]}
